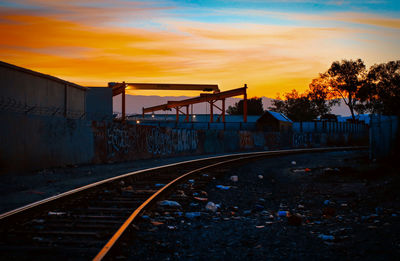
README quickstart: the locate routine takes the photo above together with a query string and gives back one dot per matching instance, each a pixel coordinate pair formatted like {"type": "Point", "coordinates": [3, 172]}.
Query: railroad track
{"type": "Point", "coordinates": [90, 222]}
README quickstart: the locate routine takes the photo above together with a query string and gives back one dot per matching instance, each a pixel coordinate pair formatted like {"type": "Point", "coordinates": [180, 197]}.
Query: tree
{"type": "Point", "coordinates": [254, 107]}
{"type": "Point", "coordinates": [381, 91]}
{"type": "Point", "coordinates": [320, 97]}
{"type": "Point", "coordinates": [344, 79]}
{"type": "Point", "coordinates": [296, 106]}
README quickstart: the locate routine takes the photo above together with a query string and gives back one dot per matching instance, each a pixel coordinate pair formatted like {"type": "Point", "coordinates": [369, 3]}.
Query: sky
{"type": "Point", "coordinates": [272, 46]}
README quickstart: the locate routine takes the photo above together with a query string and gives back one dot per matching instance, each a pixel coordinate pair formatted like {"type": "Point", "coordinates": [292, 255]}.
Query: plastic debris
{"type": "Point", "coordinates": [261, 226]}
{"type": "Point", "coordinates": [170, 203]}
{"type": "Point", "coordinates": [300, 206]}
{"type": "Point", "coordinates": [156, 223]}
{"type": "Point", "coordinates": [171, 227]}
{"type": "Point", "coordinates": [192, 214]}
{"type": "Point", "coordinates": [327, 202]}
{"type": "Point", "coordinates": [145, 217]}
{"type": "Point", "coordinates": [260, 176]}
{"type": "Point", "coordinates": [326, 237]}
{"type": "Point", "coordinates": [223, 187]}
{"type": "Point", "coordinates": [191, 181]}
{"type": "Point", "coordinates": [282, 213]}
{"type": "Point", "coordinates": [246, 212]}
{"type": "Point", "coordinates": [200, 199]}
{"type": "Point", "coordinates": [258, 207]}
{"type": "Point", "coordinates": [234, 178]}
{"type": "Point", "coordinates": [55, 213]}
{"type": "Point", "coordinates": [293, 162]}
{"type": "Point", "coordinates": [193, 204]}
{"type": "Point", "coordinates": [301, 170]}
{"type": "Point", "coordinates": [211, 206]}
{"type": "Point", "coordinates": [159, 185]}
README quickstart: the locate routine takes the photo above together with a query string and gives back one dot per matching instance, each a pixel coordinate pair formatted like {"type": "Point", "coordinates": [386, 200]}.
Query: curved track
{"type": "Point", "coordinates": [89, 221]}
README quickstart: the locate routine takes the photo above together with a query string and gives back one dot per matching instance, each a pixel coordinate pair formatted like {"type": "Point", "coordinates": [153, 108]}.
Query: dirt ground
{"type": "Point", "coordinates": [325, 206]}
{"type": "Point", "coordinates": [19, 189]}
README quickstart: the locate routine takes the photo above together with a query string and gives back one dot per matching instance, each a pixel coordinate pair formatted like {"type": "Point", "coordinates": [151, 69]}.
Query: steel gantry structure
{"type": "Point", "coordinates": [120, 88]}
{"type": "Point", "coordinates": [204, 97]}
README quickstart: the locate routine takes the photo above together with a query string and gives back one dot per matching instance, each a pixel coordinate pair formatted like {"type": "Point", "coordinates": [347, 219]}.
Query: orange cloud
{"type": "Point", "coordinates": [270, 59]}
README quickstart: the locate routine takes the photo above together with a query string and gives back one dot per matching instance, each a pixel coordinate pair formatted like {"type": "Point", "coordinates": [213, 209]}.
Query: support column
{"type": "Point", "coordinates": [187, 113]}
{"type": "Point", "coordinates": [211, 111]}
{"type": "Point", "coordinates": [245, 105]}
{"type": "Point", "coordinates": [223, 110]}
{"type": "Point", "coordinates": [123, 105]}
{"type": "Point", "coordinates": [177, 113]}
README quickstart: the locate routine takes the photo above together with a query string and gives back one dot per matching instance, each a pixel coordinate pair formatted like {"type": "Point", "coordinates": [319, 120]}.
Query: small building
{"type": "Point", "coordinates": [274, 121]}
{"type": "Point", "coordinates": [29, 92]}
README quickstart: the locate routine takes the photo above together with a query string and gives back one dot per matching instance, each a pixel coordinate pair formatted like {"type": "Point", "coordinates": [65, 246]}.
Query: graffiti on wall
{"type": "Point", "coordinates": [246, 140]}
{"type": "Point", "coordinates": [117, 141]}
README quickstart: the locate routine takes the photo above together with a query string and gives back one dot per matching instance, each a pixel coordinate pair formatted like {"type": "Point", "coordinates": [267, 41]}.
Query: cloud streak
{"type": "Point", "coordinates": [83, 42]}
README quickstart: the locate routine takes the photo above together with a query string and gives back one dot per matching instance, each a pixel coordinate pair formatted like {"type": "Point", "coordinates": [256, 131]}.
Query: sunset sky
{"type": "Point", "coordinates": [273, 46]}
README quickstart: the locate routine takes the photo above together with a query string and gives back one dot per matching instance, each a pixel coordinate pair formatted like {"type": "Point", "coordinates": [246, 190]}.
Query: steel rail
{"type": "Point", "coordinates": [112, 242]}
{"type": "Point", "coordinates": [98, 183]}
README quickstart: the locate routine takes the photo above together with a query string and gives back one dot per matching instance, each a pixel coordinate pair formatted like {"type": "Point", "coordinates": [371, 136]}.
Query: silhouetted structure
{"type": "Point", "coordinates": [274, 121]}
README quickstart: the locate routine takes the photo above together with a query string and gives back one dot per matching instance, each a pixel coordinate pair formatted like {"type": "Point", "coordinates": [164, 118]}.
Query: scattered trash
{"type": "Point", "coordinates": [201, 199]}
{"type": "Point", "coordinates": [300, 206]}
{"type": "Point", "coordinates": [223, 187]}
{"type": "Point", "coordinates": [159, 185]}
{"type": "Point", "coordinates": [234, 178]}
{"type": "Point", "coordinates": [258, 207]}
{"type": "Point", "coordinates": [293, 162]}
{"type": "Point", "coordinates": [379, 210]}
{"type": "Point", "coordinates": [265, 213]}
{"type": "Point", "coordinates": [156, 223]}
{"type": "Point", "coordinates": [246, 212]}
{"type": "Point", "coordinates": [122, 182]}
{"type": "Point", "coordinates": [211, 206]}
{"type": "Point", "coordinates": [301, 170]}
{"type": "Point", "coordinates": [261, 226]}
{"type": "Point", "coordinates": [37, 238]}
{"type": "Point", "coordinates": [295, 220]}
{"type": "Point", "coordinates": [326, 237]}
{"type": "Point", "coordinates": [193, 204]}
{"type": "Point", "coordinates": [260, 176]}
{"type": "Point", "coordinates": [54, 213]}
{"type": "Point", "coordinates": [269, 222]}
{"type": "Point", "coordinates": [205, 175]}
{"type": "Point", "coordinates": [169, 203]}
{"type": "Point", "coordinates": [171, 227]}
{"type": "Point", "coordinates": [128, 188]}
{"type": "Point", "coordinates": [343, 205]}
{"type": "Point", "coordinates": [283, 213]}
{"type": "Point", "coordinates": [145, 217]}
{"type": "Point", "coordinates": [394, 215]}
{"type": "Point", "coordinates": [191, 181]}
{"type": "Point", "coordinates": [327, 202]}
{"type": "Point", "coordinates": [192, 214]}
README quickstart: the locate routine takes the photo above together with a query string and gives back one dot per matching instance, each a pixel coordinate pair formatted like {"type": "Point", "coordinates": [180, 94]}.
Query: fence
{"type": "Point", "coordinates": [201, 125]}
{"type": "Point", "coordinates": [330, 127]}
{"type": "Point", "coordinates": [384, 135]}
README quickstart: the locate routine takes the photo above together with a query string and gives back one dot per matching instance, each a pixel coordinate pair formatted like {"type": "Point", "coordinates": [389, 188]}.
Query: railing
{"type": "Point", "coordinates": [329, 127]}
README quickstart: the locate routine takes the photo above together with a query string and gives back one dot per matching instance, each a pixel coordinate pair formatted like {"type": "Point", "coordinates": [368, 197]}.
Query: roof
{"type": "Point", "coordinates": [279, 116]}
{"type": "Point", "coordinates": [46, 76]}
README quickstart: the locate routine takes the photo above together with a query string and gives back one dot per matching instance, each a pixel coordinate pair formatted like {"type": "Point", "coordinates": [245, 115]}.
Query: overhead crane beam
{"type": "Point", "coordinates": [210, 98]}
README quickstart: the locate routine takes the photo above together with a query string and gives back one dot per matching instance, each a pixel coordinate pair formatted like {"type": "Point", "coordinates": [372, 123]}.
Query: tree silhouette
{"type": "Point", "coordinates": [254, 107]}
{"type": "Point", "coordinates": [381, 91]}
{"type": "Point", "coordinates": [344, 79]}
{"type": "Point", "coordinates": [296, 106]}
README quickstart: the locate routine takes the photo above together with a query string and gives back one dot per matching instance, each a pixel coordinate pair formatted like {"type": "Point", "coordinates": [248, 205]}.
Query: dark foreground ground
{"type": "Point", "coordinates": [340, 208]}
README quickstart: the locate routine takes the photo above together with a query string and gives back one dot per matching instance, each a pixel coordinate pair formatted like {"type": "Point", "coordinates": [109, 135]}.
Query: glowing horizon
{"type": "Point", "coordinates": [271, 46]}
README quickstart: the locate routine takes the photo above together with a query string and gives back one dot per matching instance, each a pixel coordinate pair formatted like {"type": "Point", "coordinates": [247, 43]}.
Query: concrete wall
{"type": "Point", "coordinates": [115, 141]}
{"type": "Point", "coordinates": [22, 90]}
{"type": "Point", "coordinates": [99, 104]}
{"type": "Point", "coordinates": [31, 142]}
